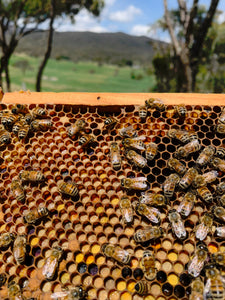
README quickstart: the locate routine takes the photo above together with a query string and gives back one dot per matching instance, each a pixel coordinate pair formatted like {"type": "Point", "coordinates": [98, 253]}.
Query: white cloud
{"type": "Point", "coordinates": [221, 17]}
{"type": "Point", "coordinates": [150, 31]}
{"type": "Point", "coordinates": [140, 29]}
{"type": "Point", "coordinates": [126, 15]}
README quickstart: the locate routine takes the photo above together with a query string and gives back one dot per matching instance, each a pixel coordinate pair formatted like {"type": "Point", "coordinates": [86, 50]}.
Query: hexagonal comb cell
{"type": "Point", "coordinates": [61, 190]}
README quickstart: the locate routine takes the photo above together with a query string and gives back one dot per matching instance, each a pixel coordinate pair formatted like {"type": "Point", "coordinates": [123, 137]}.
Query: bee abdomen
{"type": "Point", "coordinates": [142, 287]}
{"type": "Point", "coordinates": [68, 188]}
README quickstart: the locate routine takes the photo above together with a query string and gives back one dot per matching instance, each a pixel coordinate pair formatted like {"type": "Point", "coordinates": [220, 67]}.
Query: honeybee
{"type": "Point", "coordinates": [151, 151]}
{"type": "Point", "coordinates": [170, 184]}
{"type": "Point", "coordinates": [17, 126]}
{"type": "Point", "coordinates": [137, 183]}
{"type": "Point", "coordinates": [222, 117]}
{"type": "Point", "coordinates": [155, 103]}
{"type": "Point", "coordinates": [116, 252]}
{"type": "Point", "coordinates": [148, 263]}
{"type": "Point", "coordinates": [137, 159]}
{"type": "Point", "coordinates": [33, 176]}
{"type": "Point", "coordinates": [197, 289]}
{"type": "Point", "coordinates": [186, 205]}
{"type": "Point", "coordinates": [222, 200]}
{"type": "Point", "coordinates": [5, 137]}
{"type": "Point", "coordinates": [23, 132]}
{"type": "Point", "coordinates": [220, 188]}
{"type": "Point", "coordinates": [86, 140]}
{"type": "Point", "coordinates": [192, 135]}
{"type": "Point", "coordinates": [76, 128]}
{"type": "Point", "coordinates": [135, 143]}
{"type": "Point", "coordinates": [20, 109]}
{"type": "Point", "coordinates": [152, 199]}
{"type": "Point", "coordinates": [35, 214]}
{"type": "Point", "coordinates": [208, 177]}
{"type": "Point", "coordinates": [128, 132]}
{"type": "Point", "coordinates": [17, 191]}
{"type": "Point", "coordinates": [219, 212]}
{"type": "Point", "coordinates": [191, 147]}
{"type": "Point", "coordinates": [6, 239]}
{"type": "Point", "coordinates": [180, 135]}
{"type": "Point", "coordinates": [14, 291]}
{"type": "Point", "coordinates": [177, 224]}
{"type": "Point", "coordinates": [115, 156]}
{"type": "Point", "coordinates": [220, 151]}
{"type": "Point", "coordinates": [151, 213]}
{"type": "Point", "coordinates": [219, 258]}
{"type": "Point", "coordinates": [69, 188]}
{"type": "Point", "coordinates": [74, 293]}
{"type": "Point", "coordinates": [8, 119]}
{"type": "Point", "coordinates": [204, 227]}
{"type": "Point", "coordinates": [177, 166]}
{"type": "Point", "coordinates": [51, 263]}
{"type": "Point", "coordinates": [181, 110]}
{"type": "Point", "coordinates": [142, 111]}
{"type": "Point", "coordinates": [205, 155]}
{"type": "Point", "coordinates": [196, 264]}
{"type": "Point", "coordinates": [38, 112]}
{"type": "Point", "coordinates": [41, 125]}
{"type": "Point", "coordinates": [142, 287]}
{"type": "Point", "coordinates": [220, 231]}
{"type": "Point", "coordinates": [19, 248]}
{"type": "Point", "coordinates": [215, 284]}
{"type": "Point", "coordinates": [218, 163]}
{"type": "Point", "coordinates": [148, 233]}
{"type": "Point", "coordinates": [188, 178]}
{"type": "Point", "coordinates": [220, 128]}
{"type": "Point", "coordinates": [205, 194]}
{"type": "Point", "coordinates": [27, 118]}
{"type": "Point", "coordinates": [126, 210]}
{"type": "Point", "coordinates": [110, 123]}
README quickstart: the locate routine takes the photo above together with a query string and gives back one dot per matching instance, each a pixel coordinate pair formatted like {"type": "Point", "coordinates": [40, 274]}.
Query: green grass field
{"type": "Point", "coordinates": [67, 76]}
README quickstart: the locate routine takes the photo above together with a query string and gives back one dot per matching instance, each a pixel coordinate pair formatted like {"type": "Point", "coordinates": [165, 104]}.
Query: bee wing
{"type": "Point", "coordinates": [59, 295]}
{"type": "Point", "coordinates": [207, 289]}
{"type": "Point", "coordinates": [139, 138]}
{"type": "Point", "coordinates": [50, 266]}
{"type": "Point", "coordinates": [139, 179]}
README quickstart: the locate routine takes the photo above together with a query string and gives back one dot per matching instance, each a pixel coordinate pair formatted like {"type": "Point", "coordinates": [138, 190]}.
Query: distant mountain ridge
{"type": "Point", "coordinates": [101, 47]}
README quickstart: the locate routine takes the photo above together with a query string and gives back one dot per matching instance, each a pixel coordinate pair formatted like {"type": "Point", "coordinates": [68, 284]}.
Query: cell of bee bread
{"type": "Point", "coordinates": [3, 279]}
{"type": "Point", "coordinates": [152, 199]}
{"type": "Point", "coordinates": [220, 128]}
{"type": "Point", "coordinates": [86, 140]}
{"type": "Point", "coordinates": [198, 260]}
{"type": "Point", "coordinates": [128, 132]}
{"type": "Point", "coordinates": [187, 204]}
{"type": "Point", "coordinates": [191, 147]}
{"type": "Point", "coordinates": [219, 212]}
{"type": "Point", "coordinates": [181, 110]}
{"type": "Point", "coordinates": [204, 227]}
{"type": "Point", "coordinates": [5, 137]}
{"type": "Point", "coordinates": [197, 289]}
{"type": "Point", "coordinates": [69, 188]}
{"type": "Point", "coordinates": [38, 112]}
{"type": "Point", "coordinates": [135, 143]}
{"type": "Point", "coordinates": [20, 109]}
{"type": "Point", "coordinates": [35, 215]}
{"type": "Point", "coordinates": [32, 176]}
{"type": "Point", "coordinates": [142, 287]}
{"type": "Point", "coordinates": [148, 233]}
{"type": "Point", "coordinates": [110, 123]}
{"type": "Point", "coordinates": [220, 151]}
{"type": "Point", "coordinates": [205, 155]}
{"type": "Point", "coordinates": [204, 179]}
{"type": "Point", "coordinates": [220, 188]}
{"type": "Point", "coordinates": [14, 291]}
{"type": "Point", "coordinates": [215, 284]}
{"type": "Point", "coordinates": [205, 194]}
{"type": "Point", "coordinates": [169, 185]}
{"type": "Point", "coordinates": [40, 125]}
{"type": "Point", "coordinates": [219, 258]}
{"type": "Point", "coordinates": [151, 213]}
{"type": "Point", "coordinates": [151, 151]}
{"type": "Point", "coordinates": [177, 224]}
{"type": "Point", "coordinates": [136, 159]}
{"type": "Point", "coordinates": [155, 103]}
{"type": "Point", "coordinates": [188, 178]}
{"type": "Point", "coordinates": [149, 266]}
{"type": "Point", "coordinates": [17, 191]}
{"type": "Point", "coordinates": [71, 293]}
{"type": "Point", "coordinates": [180, 135]}
{"type": "Point", "coordinates": [220, 232]}
{"type": "Point", "coordinates": [52, 262]}
{"type": "Point", "coordinates": [218, 163]}
{"type": "Point", "coordinates": [222, 117]}
{"type": "Point", "coordinates": [23, 132]}
{"type": "Point", "coordinates": [126, 210]}
{"type": "Point", "coordinates": [6, 239]}
{"type": "Point", "coordinates": [116, 252]}
{"type": "Point", "coordinates": [138, 183]}
{"type": "Point", "coordinates": [19, 248]}
{"type": "Point", "coordinates": [115, 156]}
{"type": "Point", "coordinates": [175, 165]}
{"type": "Point", "coordinates": [76, 128]}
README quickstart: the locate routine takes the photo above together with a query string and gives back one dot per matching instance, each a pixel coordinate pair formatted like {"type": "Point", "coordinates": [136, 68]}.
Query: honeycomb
{"type": "Point", "coordinates": [81, 227]}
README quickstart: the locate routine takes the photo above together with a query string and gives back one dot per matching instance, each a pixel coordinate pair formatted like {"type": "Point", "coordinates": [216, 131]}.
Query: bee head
{"type": "Point", "coordinates": [104, 247]}
{"type": "Point", "coordinates": [161, 231]}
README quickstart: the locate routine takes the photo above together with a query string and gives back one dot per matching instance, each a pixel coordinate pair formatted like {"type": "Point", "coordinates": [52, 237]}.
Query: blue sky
{"type": "Point", "coordinates": [135, 17]}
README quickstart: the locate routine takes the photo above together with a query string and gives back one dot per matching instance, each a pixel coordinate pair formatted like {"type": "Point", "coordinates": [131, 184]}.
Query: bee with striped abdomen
{"type": "Point", "coordinates": [152, 199]}
{"type": "Point", "coordinates": [181, 110]}
{"type": "Point", "coordinates": [137, 183]}
{"type": "Point", "coordinates": [220, 151]}
{"type": "Point", "coordinates": [38, 112]}
{"type": "Point", "coordinates": [177, 224]}
{"type": "Point", "coordinates": [135, 143]}
{"type": "Point", "coordinates": [136, 159]}
{"type": "Point", "coordinates": [142, 288]}
{"type": "Point", "coordinates": [142, 112]}
{"type": "Point", "coordinates": [71, 293]}
{"type": "Point", "coordinates": [205, 155]}
{"type": "Point", "coordinates": [126, 210]}
{"type": "Point", "coordinates": [220, 188]}
{"type": "Point", "coordinates": [187, 204]}
{"type": "Point", "coordinates": [180, 135]}
{"type": "Point", "coordinates": [8, 119]}
{"type": "Point", "coordinates": [32, 176]}
{"type": "Point", "coordinates": [205, 194]}
{"type": "Point", "coordinates": [68, 188]}
{"type": "Point", "coordinates": [110, 123]}
{"type": "Point", "coordinates": [128, 132]}
{"type": "Point", "coordinates": [197, 262]}
{"type": "Point", "coordinates": [5, 137]}
{"type": "Point", "coordinates": [155, 103]}
{"type": "Point", "coordinates": [151, 213]}
{"type": "Point", "coordinates": [148, 233]}
{"type": "Point", "coordinates": [116, 252]}
{"type": "Point", "coordinates": [41, 125]}
{"type": "Point", "coordinates": [219, 258]}
{"type": "Point", "coordinates": [86, 140]}
{"type": "Point", "coordinates": [17, 191]}
{"type": "Point", "coordinates": [115, 156]}
{"type": "Point", "coordinates": [204, 179]}
{"type": "Point", "coordinates": [17, 126]}
{"type": "Point", "coordinates": [175, 165]}
{"type": "Point", "coordinates": [188, 178]}
{"type": "Point", "coordinates": [23, 131]}
{"type": "Point", "coordinates": [20, 109]}
{"type": "Point", "coordinates": [35, 215]}
{"type": "Point", "coordinates": [169, 185]}
{"type": "Point", "coordinates": [6, 239]}
{"type": "Point", "coordinates": [151, 151]}
{"type": "Point", "coordinates": [14, 291]}
{"type": "Point", "coordinates": [204, 227]}
{"type": "Point", "coordinates": [19, 248]}
{"type": "Point", "coordinates": [219, 212]}
{"type": "Point", "coordinates": [215, 284]}
{"type": "Point", "coordinates": [52, 262]}
{"type": "Point", "coordinates": [218, 163]}
{"type": "Point", "coordinates": [222, 116]}
{"type": "Point", "coordinates": [220, 128]}
{"type": "Point", "coordinates": [197, 289]}
{"type": "Point", "coordinates": [191, 147]}
{"type": "Point", "coordinates": [148, 263]}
